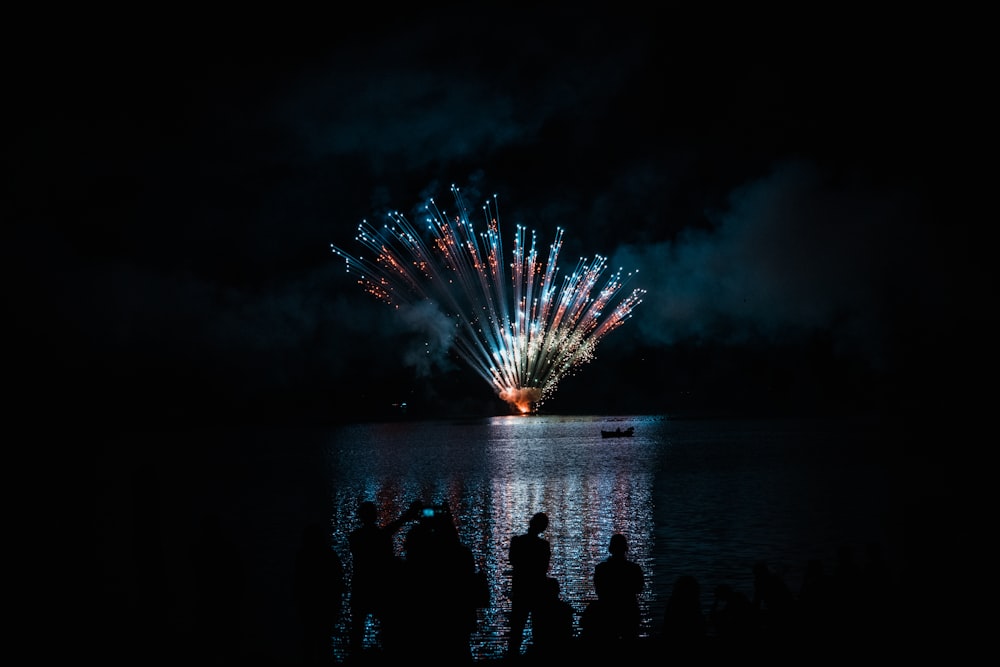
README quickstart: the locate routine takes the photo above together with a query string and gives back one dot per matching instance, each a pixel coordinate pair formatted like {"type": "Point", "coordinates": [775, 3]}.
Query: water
{"type": "Point", "coordinates": [703, 497]}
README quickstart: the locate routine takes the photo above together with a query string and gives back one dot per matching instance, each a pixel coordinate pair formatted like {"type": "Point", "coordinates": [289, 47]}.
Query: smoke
{"type": "Point", "coordinates": [796, 252]}
{"type": "Point", "coordinates": [433, 336]}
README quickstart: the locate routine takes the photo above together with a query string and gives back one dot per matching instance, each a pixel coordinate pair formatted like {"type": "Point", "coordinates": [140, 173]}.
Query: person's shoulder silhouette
{"type": "Point", "coordinates": [618, 582]}
{"type": "Point", "coordinates": [375, 572]}
{"type": "Point", "coordinates": [437, 591]}
{"type": "Point", "coordinates": [552, 625]}
{"type": "Point", "coordinates": [530, 552]}
{"type": "Point", "coordinates": [684, 622]}
{"type": "Point", "coordinates": [733, 618]}
{"type": "Point", "coordinates": [618, 579]}
{"type": "Point", "coordinates": [370, 543]}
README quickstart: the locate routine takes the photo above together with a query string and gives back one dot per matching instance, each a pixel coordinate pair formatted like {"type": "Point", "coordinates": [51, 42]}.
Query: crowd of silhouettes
{"type": "Point", "coordinates": [435, 612]}
{"type": "Point", "coordinates": [422, 604]}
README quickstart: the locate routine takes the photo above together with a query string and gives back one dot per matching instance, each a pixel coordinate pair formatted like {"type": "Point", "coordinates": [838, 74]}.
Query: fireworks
{"type": "Point", "coordinates": [516, 323]}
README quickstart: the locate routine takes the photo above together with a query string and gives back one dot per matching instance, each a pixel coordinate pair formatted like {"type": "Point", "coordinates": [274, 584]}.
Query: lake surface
{"type": "Point", "coordinates": [708, 497]}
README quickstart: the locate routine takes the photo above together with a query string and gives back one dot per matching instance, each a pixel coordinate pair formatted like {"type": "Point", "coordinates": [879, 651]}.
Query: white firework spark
{"type": "Point", "coordinates": [523, 332]}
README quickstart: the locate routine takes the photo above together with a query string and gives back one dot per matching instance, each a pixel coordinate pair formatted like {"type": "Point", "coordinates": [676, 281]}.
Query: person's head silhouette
{"type": "Point", "coordinates": [368, 512]}
{"type": "Point", "coordinates": [538, 523]}
{"type": "Point", "coordinates": [618, 545]}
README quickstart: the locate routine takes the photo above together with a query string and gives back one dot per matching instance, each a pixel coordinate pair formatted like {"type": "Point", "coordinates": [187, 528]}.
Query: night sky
{"type": "Point", "coordinates": [793, 189]}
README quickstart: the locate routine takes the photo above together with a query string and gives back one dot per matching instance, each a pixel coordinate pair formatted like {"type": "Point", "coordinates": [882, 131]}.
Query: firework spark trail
{"type": "Point", "coordinates": [524, 334]}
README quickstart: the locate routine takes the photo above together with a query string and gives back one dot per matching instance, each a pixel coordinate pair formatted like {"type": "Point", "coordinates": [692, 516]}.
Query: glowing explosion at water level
{"type": "Point", "coordinates": [522, 334]}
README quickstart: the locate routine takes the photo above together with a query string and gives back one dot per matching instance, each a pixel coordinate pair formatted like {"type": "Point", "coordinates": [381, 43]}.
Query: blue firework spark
{"type": "Point", "coordinates": [517, 324]}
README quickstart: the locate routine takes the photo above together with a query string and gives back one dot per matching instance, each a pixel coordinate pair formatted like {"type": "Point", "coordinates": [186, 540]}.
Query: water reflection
{"type": "Point", "coordinates": [494, 474]}
{"type": "Point", "coordinates": [706, 498]}
{"type": "Point", "coordinates": [701, 497]}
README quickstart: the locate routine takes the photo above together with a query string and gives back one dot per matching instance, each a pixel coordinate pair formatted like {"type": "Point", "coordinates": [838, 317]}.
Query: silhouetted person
{"type": "Point", "coordinates": [815, 601]}
{"type": "Point", "coordinates": [684, 622]}
{"type": "Point", "coordinates": [374, 568]}
{"type": "Point", "coordinates": [219, 580]}
{"type": "Point", "coordinates": [875, 572]}
{"type": "Point", "coordinates": [438, 595]}
{"type": "Point", "coordinates": [880, 595]}
{"type": "Point", "coordinates": [848, 592]}
{"type": "Point", "coordinates": [551, 625]}
{"type": "Point", "coordinates": [529, 555]}
{"type": "Point", "coordinates": [141, 623]}
{"type": "Point", "coordinates": [614, 616]}
{"type": "Point", "coordinates": [318, 588]}
{"type": "Point", "coordinates": [774, 601]}
{"type": "Point", "coordinates": [733, 618]}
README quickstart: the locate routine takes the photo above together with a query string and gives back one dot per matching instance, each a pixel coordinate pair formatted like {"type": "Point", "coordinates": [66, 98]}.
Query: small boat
{"type": "Point", "coordinates": [618, 433]}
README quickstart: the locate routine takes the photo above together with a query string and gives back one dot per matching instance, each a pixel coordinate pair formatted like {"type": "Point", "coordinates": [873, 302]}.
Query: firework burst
{"type": "Point", "coordinates": [517, 324]}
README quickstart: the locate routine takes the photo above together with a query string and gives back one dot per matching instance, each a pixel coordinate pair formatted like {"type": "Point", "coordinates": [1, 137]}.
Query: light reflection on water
{"type": "Point", "coordinates": [692, 497]}
{"type": "Point", "coordinates": [495, 474]}
{"type": "Point", "coordinates": [703, 497]}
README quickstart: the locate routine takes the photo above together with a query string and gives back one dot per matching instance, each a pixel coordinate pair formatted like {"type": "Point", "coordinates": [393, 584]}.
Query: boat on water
{"type": "Point", "coordinates": [618, 433]}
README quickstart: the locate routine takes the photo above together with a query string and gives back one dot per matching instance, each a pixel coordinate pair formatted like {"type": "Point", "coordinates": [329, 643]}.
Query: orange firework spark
{"type": "Point", "coordinates": [522, 335]}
